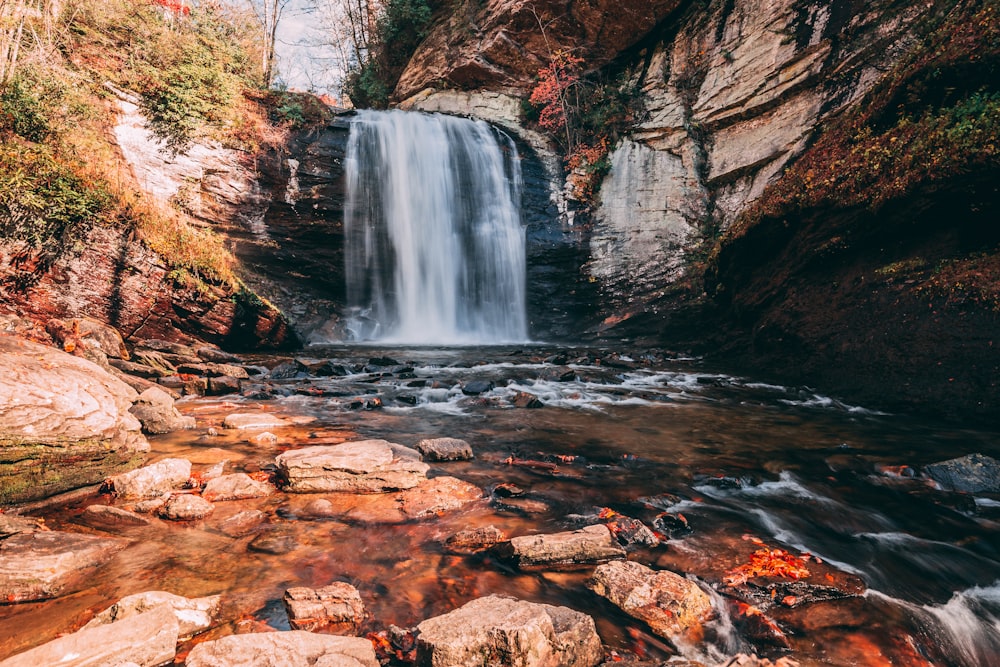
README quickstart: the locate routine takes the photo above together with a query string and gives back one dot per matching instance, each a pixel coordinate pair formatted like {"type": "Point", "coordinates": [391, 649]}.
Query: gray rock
{"type": "Point", "coordinates": [215, 355]}
{"type": "Point", "coordinates": [222, 385]}
{"type": "Point", "coordinates": [193, 615]}
{"type": "Point", "coordinates": [674, 607]}
{"type": "Point", "coordinates": [46, 564]}
{"type": "Point", "coordinates": [155, 409]}
{"type": "Point", "coordinates": [107, 517]}
{"type": "Point", "coordinates": [284, 649]}
{"type": "Point", "coordinates": [139, 370]}
{"type": "Point", "coordinates": [64, 422]}
{"type": "Point", "coordinates": [152, 480]}
{"type": "Point", "coordinates": [972, 473]}
{"type": "Point", "coordinates": [593, 544]}
{"type": "Point", "coordinates": [186, 507]}
{"type": "Point", "coordinates": [445, 449]}
{"type": "Point", "coordinates": [476, 387]}
{"type": "Point", "coordinates": [309, 609]}
{"type": "Point", "coordinates": [365, 466]}
{"type": "Point", "coordinates": [147, 639]}
{"type": "Point", "coordinates": [254, 420]}
{"type": "Point", "coordinates": [499, 630]}
{"type": "Point", "coordinates": [238, 486]}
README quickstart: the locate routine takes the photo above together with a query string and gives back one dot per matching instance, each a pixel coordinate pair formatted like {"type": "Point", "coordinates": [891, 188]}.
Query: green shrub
{"type": "Point", "coordinates": [22, 113]}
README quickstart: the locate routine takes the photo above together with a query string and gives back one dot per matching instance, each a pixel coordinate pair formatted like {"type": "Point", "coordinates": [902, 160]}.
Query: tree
{"type": "Point", "coordinates": [268, 15]}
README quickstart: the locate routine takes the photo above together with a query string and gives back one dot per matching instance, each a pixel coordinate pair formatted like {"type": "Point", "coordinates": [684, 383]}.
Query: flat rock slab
{"type": "Point", "coordinates": [674, 607]}
{"type": "Point", "coordinates": [46, 564]}
{"type": "Point", "coordinates": [593, 544]}
{"type": "Point", "coordinates": [309, 609]}
{"type": "Point", "coordinates": [445, 449]}
{"type": "Point", "coordinates": [152, 480]}
{"type": "Point", "coordinates": [973, 473]}
{"type": "Point", "coordinates": [295, 648]}
{"type": "Point", "coordinates": [364, 466]}
{"type": "Point", "coordinates": [500, 630]}
{"type": "Point", "coordinates": [193, 615]}
{"type": "Point", "coordinates": [106, 517]}
{"type": "Point", "coordinates": [147, 639]}
{"type": "Point", "coordinates": [238, 486]}
{"type": "Point", "coordinates": [254, 420]}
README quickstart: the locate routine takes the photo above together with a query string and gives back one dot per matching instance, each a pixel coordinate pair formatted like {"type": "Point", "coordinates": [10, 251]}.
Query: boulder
{"type": "Point", "coordinates": [476, 387]}
{"type": "Point", "coordinates": [672, 606]}
{"type": "Point", "coordinates": [64, 422]}
{"type": "Point", "coordinates": [147, 639]}
{"type": "Point", "coordinates": [222, 385]}
{"type": "Point", "coordinates": [284, 649]}
{"type": "Point", "coordinates": [288, 370]}
{"type": "Point", "coordinates": [253, 420]}
{"type": "Point", "coordinates": [46, 564]}
{"type": "Point", "coordinates": [186, 507]}
{"type": "Point", "coordinates": [501, 630]}
{"type": "Point", "coordinates": [444, 449]}
{"type": "Point", "coordinates": [106, 517]}
{"type": "Point", "coordinates": [193, 615]}
{"type": "Point", "coordinates": [237, 486]}
{"type": "Point", "coordinates": [309, 609]}
{"type": "Point", "coordinates": [475, 539]}
{"type": "Point", "coordinates": [593, 544]}
{"type": "Point", "coordinates": [151, 481]}
{"type": "Point", "coordinates": [364, 466]}
{"type": "Point", "coordinates": [972, 473]}
{"type": "Point", "coordinates": [155, 409]}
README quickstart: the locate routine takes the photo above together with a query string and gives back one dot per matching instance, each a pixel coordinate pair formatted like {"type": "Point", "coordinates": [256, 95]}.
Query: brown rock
{"type": "Point", "coordinates": [475, 539]}
{"type": "Point", "coordinates": [107, 517]}
{"type": "Point", "coordinates": [444, 449]}
{"type": "Point", "coordinates": [186, 507]}
{"type": "Point", "coordinates": [438, 495]}
{"type": "Point", "coordinates": [242, 523]}
{"type": "Point", "coordinates": [155, 409]}
{"type": "Point", "coordinates": [593, 544]}
{"type": "Point", "coordinates": [671, 605]}
{"type": "Point", "coordinates": [237, 486]}
{"type": "Point", "coordinates": [222, 385]}
{"type": "Point", "coordinates": [253, 420]}
{"type": "Point", "coordinates": [365, 466]}
{"type": "Point", "coordinates": [310, 609]}
{"type": "Point", "coordinates": [295, 647]}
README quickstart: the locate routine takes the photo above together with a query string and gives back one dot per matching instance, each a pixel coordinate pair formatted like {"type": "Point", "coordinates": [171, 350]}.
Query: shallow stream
{"type": "Point", "coordinates": [746, 464]}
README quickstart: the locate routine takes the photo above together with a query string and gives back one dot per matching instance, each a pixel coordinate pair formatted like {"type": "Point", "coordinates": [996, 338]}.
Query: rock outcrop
{"type": "Point", "coordinates": [64, 422]}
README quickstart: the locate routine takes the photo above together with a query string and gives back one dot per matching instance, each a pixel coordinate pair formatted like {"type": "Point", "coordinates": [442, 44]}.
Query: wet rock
{"type": "Point", "coordinates": [147, 639]}
{"type": "Point", "coordinates": [109, 518]}
{"type": "Point", "coordinates": [973, 473]}
{"type": "Point", "coordinates": [558, 375]}
{"type": "Point", "coordinates": [436, 496]}
{"type": "Point", "coordinates": [523, 399]}
{"type": "Point", "coordinates": [186, 507]}
{"type": "Point", "coordinates": [274, 649]}
{"type": "Point", "coordinates": [265, 438]}
{"type": "Point", "coordinates": [47, 564]}
{"type": "Point", "coordinates": [242, 523]}
{"type": "Point", "coordinates": [253, 420]}
{"type": "Point", "coordinates": [497, 629]}
{"type": "Point", "coordinates": [289, 370]}
{"type": "Point", "coordinates": [155, 409]}
{"type": "Point", "coordinates": [224, 370]}
{"type": "Point", "coordinates": [593, 544]}
{"type": "Point", "coordinates": [273, 542]}
{"type": "Point", "coordinates": [383, 361]}
{"type": "Point", "coordinates": [631, 532]}
{"type": "Point", "coordinates": [476, 387]}
{"type": "Point", "coordinates": [756, 626]}
{"type": "Point", "coordinates": [475, 539]}
{"type": "Point", "coordinates": [671, 605]}
{"type": "Point", "coordinates": [64, 422]}
{"type": "Point", "coordinates": [321, 508]}
{"type": "Point", "coordinates": [193, 615]}
{"type": "Point", "coordinates": [237, 486]}
{"type": "Point", "coordinates": [185, 384]}
{"type": "Point", "coordinates": [521, 505]}
{"type": "Point", "coordinates": [309, 609]}
{"type": "Point", "coordinates": [153, 504]}
{"type": "Point", "coordinates": [222, 385]}
{"type": "Point", "coordinates": [365, 466]}
{"type": "Point", "coordinates": [216, 355]}
{"type": "Point", "coordinates": [671, 525]}
{"type": "Point", "coordinates": [328, 369]}
{"type": "Point", "coordinates": [152, 480]}
{"type": "Point", "coordinates": [444, 449]}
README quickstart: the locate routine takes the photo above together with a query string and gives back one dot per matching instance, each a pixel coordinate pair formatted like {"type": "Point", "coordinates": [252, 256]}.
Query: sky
{"type": "Point", "coordinates": [304, 61]}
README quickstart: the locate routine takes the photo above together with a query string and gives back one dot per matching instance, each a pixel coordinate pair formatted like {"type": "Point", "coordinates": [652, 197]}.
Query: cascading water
{"type": "Point", "coordinates": [435, 246]}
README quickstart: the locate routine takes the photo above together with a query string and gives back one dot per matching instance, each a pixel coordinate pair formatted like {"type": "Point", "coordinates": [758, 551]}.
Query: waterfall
{"type": "Point", "coordinates": [435, 246]}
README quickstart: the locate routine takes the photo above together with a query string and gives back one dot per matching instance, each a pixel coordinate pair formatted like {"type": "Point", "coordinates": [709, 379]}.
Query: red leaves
{"type": "Point", "coordinates": [768, 563]}
{"type": "Point", "coordinates": [553, 81]}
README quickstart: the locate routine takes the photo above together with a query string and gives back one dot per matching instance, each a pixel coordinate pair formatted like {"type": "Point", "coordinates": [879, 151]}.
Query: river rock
{"type": "Point", "coordinates": [151, 481]}
{"type": "Point", "coordinates": [106, 517]}
{"type": "Point", "coordinates": [222, 385]}
{"type": "Point", "coordinates": [46, 564]}
{"type": "Point", "coordinates": [502, 630]}
{"type": "Point", "coordinates": [436, 496]}
{"type": "Point", "coordinates": [275, 541]}
{"type": "Point", "coordinates": [973, 473]}
{"type": "Point", "coordinates": [193, 615]}
{"type": "Point", "coordinates": [475, 539]}
{"type": "Point", "coordinates": [155, 409]}
{"type": "Point", "coordinates": [146, 639]}
{"type": "Point", "coordinates": [288, 370]}
{"type": "Point", "coordinates": [476, 387]}
{"type": "Point", "coordinates": [593, 544]}
{"type": "Point", "coordinates": [309, 609]}
{"type": "Point", "coordinates": [254, 420]}
{"type": "Point", "coordinates": [216, 355]}
{"type": "Point", "coordinates": [364, 466]}
{"type": "Point", "coordinates": [64, 422]}
{"type": "Point", "coordinates": [284, 649]}
{"type": "Point", "coordinates": [238, 486]}
{"type": "Point", "coordinates": [242, 523]}
{"type": "Point", "coordinates": [444, 449]}
{"type": "Point", "coordinates": [138, 369]}
{"type": "Point", "coordinates": [674, 607]}
{"type": "Point", "coordinates": [186, 507]}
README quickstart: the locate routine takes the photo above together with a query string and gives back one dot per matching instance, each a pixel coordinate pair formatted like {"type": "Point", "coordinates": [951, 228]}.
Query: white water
{"type": "Point", "coordinates": [435, 246]}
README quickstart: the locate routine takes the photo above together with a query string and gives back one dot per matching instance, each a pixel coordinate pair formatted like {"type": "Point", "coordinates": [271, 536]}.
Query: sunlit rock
{"type": "Point", "coordinates": [593, 544]}
{"type": "Point", "coordinates": [364, 466]}
{"type": "Point", "coordinates": [186, 507]}
{"type": "Point", "coordinates": [237, 486]}
{"type": "Point", "coordinates": [155, 409]}
{"type": "Point", "coordinates": [444, 449]}
{"type": "Point", "coordinates": [193, 615]}
{"type": "Point", "coordinates": [106, 517]}
{"type": "Point", "coordinates": [253, 420]}
{"type": "Point", "coordinates": [295, 647]}
{"type": "Point", "coordinates": [309, 609]}
{"type": "Point", "coordinates": [152, 480]}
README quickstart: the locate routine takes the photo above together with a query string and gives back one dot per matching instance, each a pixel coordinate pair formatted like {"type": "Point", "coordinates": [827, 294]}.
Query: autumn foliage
{"type": "Point", "coordinates": [768, 563]}
{"type": "Point", "coordinates": [550, 93]}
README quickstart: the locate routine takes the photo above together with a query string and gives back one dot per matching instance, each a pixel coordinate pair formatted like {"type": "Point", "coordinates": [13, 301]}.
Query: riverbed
{"type": "Point", "coordinates": [560, 435]}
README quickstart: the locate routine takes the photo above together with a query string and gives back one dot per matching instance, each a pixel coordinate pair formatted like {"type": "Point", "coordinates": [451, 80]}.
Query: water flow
{"type": "Point", "coordinates": [435, 246]}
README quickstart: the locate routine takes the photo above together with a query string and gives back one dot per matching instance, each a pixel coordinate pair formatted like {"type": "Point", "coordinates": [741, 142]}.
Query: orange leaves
{"type": "Point", "coordinates": [549, 94]}
{"type": "Point", "coordinates": [768, 563]}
